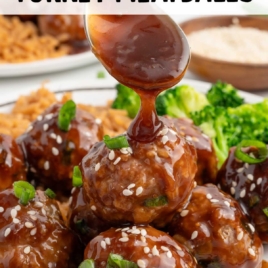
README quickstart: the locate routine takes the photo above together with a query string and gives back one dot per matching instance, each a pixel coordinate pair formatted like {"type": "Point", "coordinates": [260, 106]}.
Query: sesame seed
{"type": "Point", "coordinates": [59, 139]}
{"type": "Point", "coordinates": [7, 232]}
{"type": "Point", "coordinates": [173, 132]}
{"type": "Point", "coordinates": [53, 136]}
{"type": "Point", "coordinates": [132, 185]}
{"type": "Point", "coordinates": [39, 118]}
{"type": "Point", "coordinates": [182, 254]}
{"type": "Point", "coordinates": [240, 170]}
{"type": "Point", "coordinates": [70, 200]}
{"type": "Point", "coordinates": [97, 167]}
{"type": "Point", "coordinates": [219, 186]}
{"type": "Point", "coordinates": [111, 155]}
{"type": "Point", "coordinates": [107, 241]}
{"type": "Point", "coordinates": [195, 184]}
{"type": "Point", "coordinates": [29, 128]}
{"type": "Point", "coordinates": [143, 232]}
{"type": "Point", "coordinates": [117, 230]}
{"type": "Point", "coordinates": [243, 193]}
{"type": "Point", "coordinates": [46, 165]}
{"type": "Point", "coordinates": [251, 252]}
{"type": "Point", "coordinates": [227, 203]}
{"type": "Point", "coordinates": [259, 181]}
{"type": "Point", "coordinates": [15, 220]}
{"type": "Point", "coordinates": [124, 150]}
{"type": "Point", "coordinates": [117, 160]}
{"type": "Point", "coordinates": [234, 183]}
{"type": "Point", "coordinates": [32, 169]}
{"type": "Point", "coordinates": [252, 228]}
{"type": "Point", "coordinates": [28, 224]}
{"type": "Point", "coordinates": [98, 121]}
{"type": "Point", "coordinates": [34, 218]}
{"type": "Point", "coordinates": [169, 254]}
{"type": "Point", "coordinates": [43, 212]}
{"type": "Point", "coordinates": [123, 239]}
{"type": "Point", "coordinates": [184, 213]}
{"type": "Point", "coordinates": [125, 234]}
{"type": "Point", "coordinates": [240, 236]}
{"type": "Point", "coordinates": [103, 244]}
{"type": "Point", "coordinates": [55, 151]}
{"type": "Point", "coordinates": [164, 139]}
{"type": "Point", "coordinates": [125, 229]}
{"type": "Point", "coordinates": [93, 208]}
{"type": "Point", "coordinates": [137, 231]}
{"type": "Point", "coordinates": [13, 213]}
{"type": "Point", "coordinates": [127, 192]}
{"type": "Point", "coordinates": [214, 200]}
{"type": "Point", "coordinates": [188, 138]}
{"type": "Point", "coordinates": [146, 250]}
{"type": "Point", "coordinates": [73, 190]}
{"type": "Point", "coordinates": [209, 196]}
{"type": "Point", "coordinates": [49, 116]}
{"type": "Point", "coordinates": [39, 204]}
{"type": "Point", "coordinates": [141, 264]}
{"type": "Point", "coordinates": [18, 207]}
{"type": "Point", "coordinates": [155, 251]}
{"type": "Point", "coordinates": [250, 177]}
{"type": "Point", "coordinates": [232, 190]}
{"type": "Point", "coordinates": [246, 165]}
{"type": "Point", "coordinates": [45, 127]}
{"type": "Point", "coordinates": [164, 248]}
{"type": "Point", "coordinates": [33, 231]}
{"type": "Point", "coordinates": [130, 150]}
{"type": "Point", "coordinates": [1, 209]}
{"type": "Point", "coordinates": [31, 212]}
{"type": "Point", "coordinates": [143, 239]}
{"type": "Point", "coordinates": [139, 190]}
{"type": "Point", "coordinates": [27, 250]}
{"type": "Point", "coordinates": [205, 136]}
{"type": "Point", "coordinates": [252, 187]}
{"type": "Point", "coordinates": [194, 235]}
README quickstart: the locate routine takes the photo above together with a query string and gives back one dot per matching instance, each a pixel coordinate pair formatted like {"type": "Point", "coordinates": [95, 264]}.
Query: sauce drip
{"type": "Point", "coordinates": [148, 53]}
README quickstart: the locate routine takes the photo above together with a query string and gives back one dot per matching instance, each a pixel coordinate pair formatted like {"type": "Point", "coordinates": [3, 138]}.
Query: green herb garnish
{"type": "Point", "coordinates": [49, 193]}
{"type": "Point", "coordinates": [89, 263]}
{"type": "Point", "coordinates": [81, 226]}
{"type": "Point", "coordinates": [24, 191]}
{"type": "Point", "coordinates": [77, 177]}
{"type": "Point", "coordinates": [254, 200]}
{"type": "Point", "coordinates": [66, 115]}
{"type": "Point", "coordinates": [262, 151]}
{"type": "Point", "coordinates": [156, 202]}
{"type": "Point", "coordinates": [265, 210]}
{"type": "Point", "coordinates": [101, 74]}
{"type": "Point", "coordinates": [116, 142]}
{"type": "Point", "coordinates": [117, 261]}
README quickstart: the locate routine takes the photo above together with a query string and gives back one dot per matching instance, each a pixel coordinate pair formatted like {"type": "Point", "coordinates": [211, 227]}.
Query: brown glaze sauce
{"type": "Point", "coordinates": [148, 53]}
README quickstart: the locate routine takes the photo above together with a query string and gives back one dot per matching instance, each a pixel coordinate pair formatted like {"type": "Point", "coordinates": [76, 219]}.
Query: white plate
{"type": "Point", "coordinates": [100, 91]}
{"type": "Point", "coordinates": [47, 66]}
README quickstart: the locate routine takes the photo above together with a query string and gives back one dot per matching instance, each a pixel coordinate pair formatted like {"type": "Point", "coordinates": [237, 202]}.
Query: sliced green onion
{"type": "Point", "coordinates": [265, 210]}
{"type": "Point", "coordinates": [66, 115]}
{"type": "Point", "coordinates": [116, 142]}
{"type": "Point", "coordinates": [24, 191]}
{"type": "Point", "coordinates": [77, 177]}
{"type": "Point", "coordinates": [254, 200]}
{"type": "Point", "coordinates": [101, 74]}
{"type": "Point", "coordinates": [89, 263]}
{"type": "Point", "coordinates": [262, 151]}
{"type": "Point", "coordinates": [117, 261]}
{"type": "Point", "coordinates": [81, 226]}
{"type": "Point", "coordinates": [156, 202]}
{"type": "Point", "coordinates": [49, 193]}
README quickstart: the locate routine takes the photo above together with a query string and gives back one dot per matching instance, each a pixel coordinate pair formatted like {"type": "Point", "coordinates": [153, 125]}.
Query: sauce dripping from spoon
{"type": "Point", "coordinates": [148, 53]}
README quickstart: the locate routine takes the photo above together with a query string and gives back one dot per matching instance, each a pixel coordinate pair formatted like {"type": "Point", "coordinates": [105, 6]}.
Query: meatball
{"type": "Point", "coordinates": [67, 27]}
{"type": "Point", "coordinates": [206, 156]}
{"type": "Point", "coordinates": [247, 183]}
{"type": "Point", "coordinates": [143, 245]}
{"type": "Point", "coordinates": [81, 218]}
{"type": "Point", "coordinates": [33, 235]}
{"type": "Point", "coordinates": [144, 183]}
{"type": "Point", "coordinates": [51, 153]}
{"type": "Point", "coordinates": [12, 166]}
{"type": "Point", "coordinates": [217, 231]}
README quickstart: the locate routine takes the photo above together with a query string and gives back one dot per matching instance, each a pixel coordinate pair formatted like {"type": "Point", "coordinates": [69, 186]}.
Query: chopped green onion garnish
{"type": "Point", "coordinates": [116, 142]}
{"type": "Point", "coordinates": [89, 263]}
{"type": "Point", "coordinates": [24, 191]}
{"type": "Point", "coordinates": [156, 202]}
{"type": "Point", "coordinates": [265, 210]}
{"type": "Point", "coordinates": [262, 151]}
{"type": "Point", "coordinates": [49, 193]}
{"type": "Point", "coordinates": [117, 261]}
{"type": "Point", "coordinates": [254, 200]}
{"type": "Point", "coordinates": [77, 177]}
{"type": "Point", "coordinates": [101, 74]}
{"type": "Point", "coordinates": [81, 226]}
{"type": "Point", "coordinates": [66, 115]}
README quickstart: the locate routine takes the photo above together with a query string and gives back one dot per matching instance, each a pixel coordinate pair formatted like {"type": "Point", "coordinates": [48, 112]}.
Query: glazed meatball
{"type": "Point", "coordinates": [12, 167]}
{"type": "Point", "coordinates": [33, 235]}
{"type": "Point", "coordinates": [247, 183]}
{"type": "Point", "coordinates": [217, 231]}
{"type": "Point", "coordinates": [81, 218]}
{"type": "Point", "coordinates": [206, 156]}
{"type": "Point", "coordinates": [142, 245]}
{"type": "Point", "coordinates": [67, 27]}
{"type": "Point", "coordinates": [51, 153]}
{"type": "Point", "coordinates": [144, 183]}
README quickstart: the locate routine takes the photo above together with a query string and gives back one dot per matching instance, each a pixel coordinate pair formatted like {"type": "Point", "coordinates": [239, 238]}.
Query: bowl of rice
{"type": "Point", "coordinates": [233, 49]}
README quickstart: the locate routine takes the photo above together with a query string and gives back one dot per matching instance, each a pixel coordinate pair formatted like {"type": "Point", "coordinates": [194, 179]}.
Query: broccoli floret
{"type": "Point", "coordinates": [224, 95]}
{"type": "Point", "coordinates": [180, 101]}
{"type": "Point", "coordinates": [127, 99]}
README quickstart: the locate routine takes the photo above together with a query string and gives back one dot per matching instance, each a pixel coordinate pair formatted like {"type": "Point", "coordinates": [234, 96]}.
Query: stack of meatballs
{"type": "Point", "coordinates": [157, 204]}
